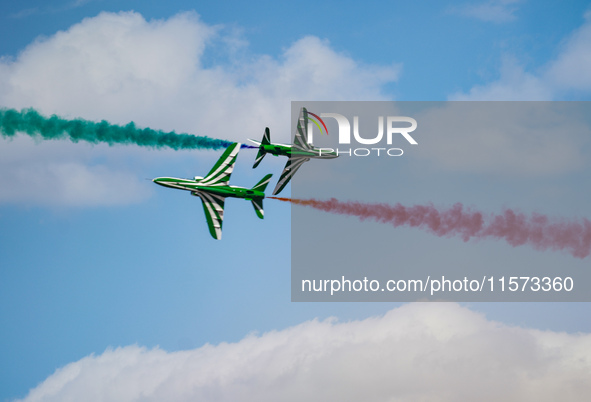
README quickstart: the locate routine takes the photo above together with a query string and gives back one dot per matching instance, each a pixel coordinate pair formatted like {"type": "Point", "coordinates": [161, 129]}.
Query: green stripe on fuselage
{"type": "Point", "coordinates": [224, 191]}
{"type": "Point", "coordinates": [277, 150]}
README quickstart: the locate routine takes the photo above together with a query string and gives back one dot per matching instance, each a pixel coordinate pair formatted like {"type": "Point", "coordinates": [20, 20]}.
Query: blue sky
{"type": "Point", "coordinates": [93, 256]}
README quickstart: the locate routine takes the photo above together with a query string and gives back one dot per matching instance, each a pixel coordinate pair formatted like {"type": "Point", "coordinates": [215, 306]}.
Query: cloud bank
{"type": "Point", "coordinates": [565, 76]}
{"type": "Point", "coordinates": [511, 139]}
{"type": "Point", "coordinates": [163, 74]}
{"type": "Point", "coordinates": [121, 67]}
{"type": "Point", "coordinates": [525, 142]}
{"type": "Point", "coordinates": [418, 352]}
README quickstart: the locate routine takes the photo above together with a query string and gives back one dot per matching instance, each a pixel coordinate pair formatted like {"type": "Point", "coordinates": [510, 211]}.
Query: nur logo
{"type": "Point", "coordinates": [315, 121]}
{"type": "Point", "coordinates": [394, 126]}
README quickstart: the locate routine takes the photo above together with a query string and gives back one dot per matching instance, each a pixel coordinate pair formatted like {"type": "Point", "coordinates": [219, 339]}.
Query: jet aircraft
{"type": "Point", "coordinates": [214, 188]}
{"type": "Point", "coordinates": [298, 153]}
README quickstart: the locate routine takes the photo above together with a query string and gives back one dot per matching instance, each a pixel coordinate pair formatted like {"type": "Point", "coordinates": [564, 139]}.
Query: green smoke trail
{"type": "Point", "coordinates": [29, 121]}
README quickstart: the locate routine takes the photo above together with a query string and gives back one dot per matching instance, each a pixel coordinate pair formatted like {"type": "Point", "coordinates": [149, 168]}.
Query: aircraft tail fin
{"type": "Point", "coordinates": [257, 203]}
{"type": "Point", "coordinates": [261, 154]}
{"type": "Point", "coordinates": [266, 137]}
{"type": "Point", "coordinates": [262, 185]}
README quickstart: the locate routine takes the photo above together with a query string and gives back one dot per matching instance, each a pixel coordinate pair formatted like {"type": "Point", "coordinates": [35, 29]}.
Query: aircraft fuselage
{"type": "Point", "coordinates": [288, 150]}
{"type": "Point", "coordinates": [277, 149]}
{"type": "Point", "coordinates": [223, 191]}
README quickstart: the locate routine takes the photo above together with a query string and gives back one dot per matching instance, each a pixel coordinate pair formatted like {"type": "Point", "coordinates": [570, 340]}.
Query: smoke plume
{"type": "Point", "coordinates": [536, 230]}
{"type": "Point", "coordinates": [30, 122]}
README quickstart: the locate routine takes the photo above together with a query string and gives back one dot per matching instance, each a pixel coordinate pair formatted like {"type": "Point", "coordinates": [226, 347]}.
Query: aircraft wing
{"type": "Point", "coordinates": [292, 165]}
{"type": "Point", "coordinates": [301, 136]}
{"type": "Point", "coordinates": [213, 206]}
{"type": "Point", "coordinates": [219, 175]}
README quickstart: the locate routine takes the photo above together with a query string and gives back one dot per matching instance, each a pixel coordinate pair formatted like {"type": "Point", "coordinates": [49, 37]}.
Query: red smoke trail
{"type": "Point", "coordinates": [516, 228]}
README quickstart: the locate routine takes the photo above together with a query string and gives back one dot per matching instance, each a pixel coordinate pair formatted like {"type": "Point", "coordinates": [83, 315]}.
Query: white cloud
{"type": "Point", "coordinates": [515, 139]}
{"type": "Point", "coordinates": [568, 73]}
{"type": "Point", "coordinates": [52, 174]}
{"type": "Point", "coordinates": [71, 184]}
{"type": "Point", "coordinates": [122, 68]}
{"type": "Point", "coordinates": [419, 352]}
{"type": "Point", "coordinates": [546, 144]}
{"type": "Point", "coordinates": [498, 11]}
{"type": "Point", "coordinates": [572, 68]}
{"type": "Point", "coordinates": [514, 84]}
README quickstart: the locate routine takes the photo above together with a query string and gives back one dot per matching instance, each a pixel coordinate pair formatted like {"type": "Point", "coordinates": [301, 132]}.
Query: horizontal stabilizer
{"type": "Point", "coordinates": [265, 141]}
{"type": "Point", "coordinates": [257, 203]}
{"type": "Point", "coordinates": [260, 155]}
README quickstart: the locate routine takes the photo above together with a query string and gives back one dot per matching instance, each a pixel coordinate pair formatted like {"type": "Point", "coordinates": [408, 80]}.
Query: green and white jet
{"type": "Point", "coordinates": [214, 188]}
{"type": "Point", "coordinates": [298, 153]}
